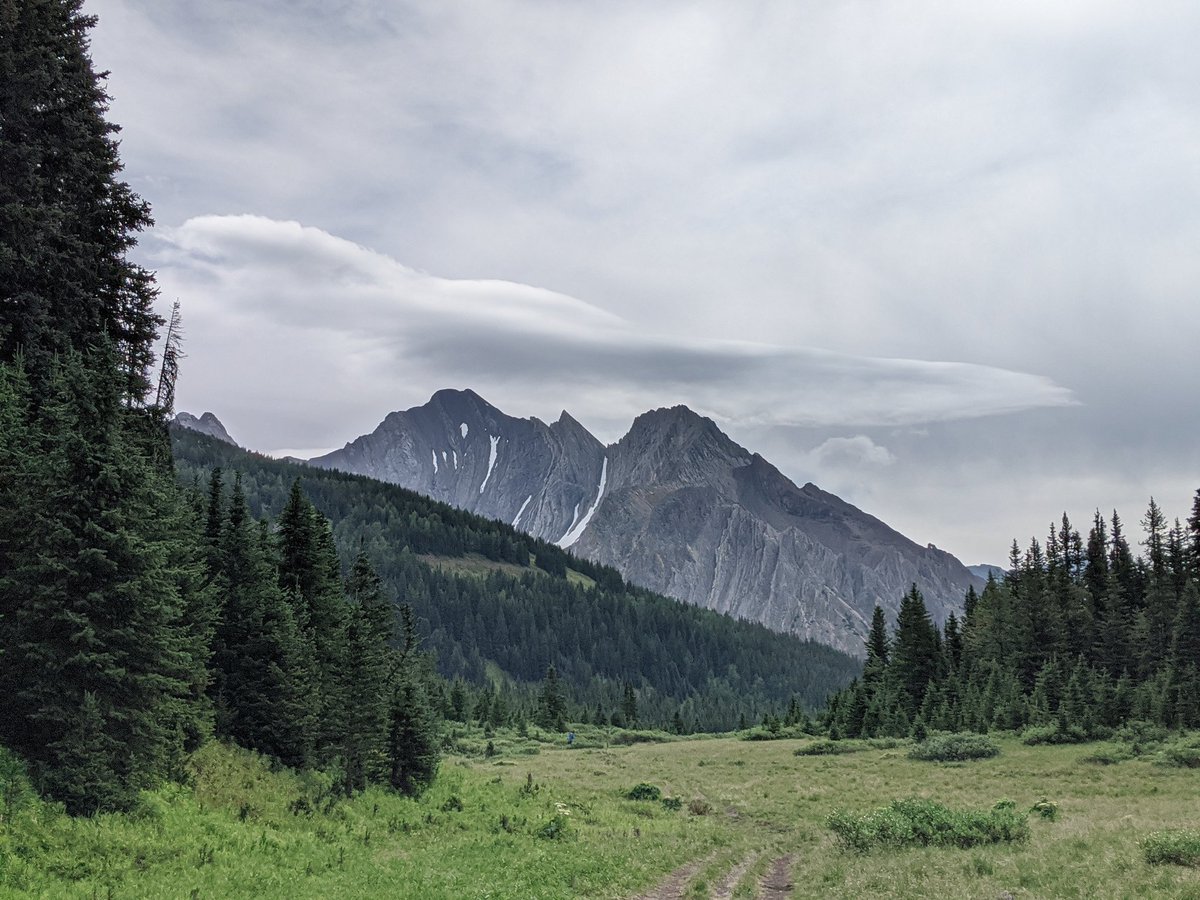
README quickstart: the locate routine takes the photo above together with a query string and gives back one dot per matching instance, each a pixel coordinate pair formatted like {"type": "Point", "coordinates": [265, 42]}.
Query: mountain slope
{"type": "Point", "coordinates": [483, 606]}
{"type": "Point", "coordinates": [675, 506]}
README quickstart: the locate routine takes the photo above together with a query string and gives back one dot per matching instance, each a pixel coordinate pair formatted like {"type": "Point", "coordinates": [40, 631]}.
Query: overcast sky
{"type": "Point", "coordinates": [940, 259]}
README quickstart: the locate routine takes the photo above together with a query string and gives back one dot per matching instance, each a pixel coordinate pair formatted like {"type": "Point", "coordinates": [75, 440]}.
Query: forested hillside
{"type": "Point", "coordinates": [506, 625]}
{"type": "Point", "coordinates": [1078, 637]}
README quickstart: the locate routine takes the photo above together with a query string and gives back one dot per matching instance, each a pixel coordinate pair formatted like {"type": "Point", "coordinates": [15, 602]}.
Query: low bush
{"type": "Point", "coordinates": [1054, 734]}
{"type": "Point", "coordinates": [644, 791]}
{"type": "Point", "coordinates": [830, 748]}
{"type": "Point", "coordinates": [955, 748]}
{"type": "Point", "coordinates": [555, 829]}
{"type": "Point", "coordinates": [1108, 756]}
{"type": "Point", "coordinates": [629, 738]}
{"type": "Point", "coordinates": [1047, 809]}
{"type": "Point", "coordinates": [1179, 846]}
{"type": "Point", "coordinates": [672, 803]}
{"type": "Point", "coordinates": [922, 823]}
{"type": "Point", "coordinates": [1182, 756]}
{"type": "Point", "coordinates": [1141, 733]}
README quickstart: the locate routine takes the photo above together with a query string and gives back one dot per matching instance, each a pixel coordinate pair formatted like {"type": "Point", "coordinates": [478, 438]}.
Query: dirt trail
{"type": "Point", "coordinates": [723, 890]}
{"type": "Point", "coordinates": [676, 883]}
{"type": "Point", "coordinates": [778, 880]}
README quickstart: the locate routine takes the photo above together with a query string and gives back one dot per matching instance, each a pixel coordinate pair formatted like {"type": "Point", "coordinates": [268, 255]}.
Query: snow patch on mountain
{"type": "Point", "coordinates": [491, 461]}
{"type": "Point", "coordinates": [574, 533]}
{"type": "Point", "coordinates": [521, 511]}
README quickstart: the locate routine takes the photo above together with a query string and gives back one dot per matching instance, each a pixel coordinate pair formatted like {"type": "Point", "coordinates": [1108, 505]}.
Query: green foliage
{"type": "Point", "coordinates": [1183, 753]}
{"type": "Point", "coordinates": [644, 791]}
{"type": "Point", "coordinates": [830, 748]}
{"type": "Point", "coordinates": [916, 822]}
{"type": "Point", "coordinates": [1178, 846]}
{"type": "Point", "coordinates": [955, 747]}
{"type": "Point", "coordinates": [1054, 733]}
{"type": "Point", "coordinates": [556, 829]}
{"type": "Point", "coordinates": [1047, 809]}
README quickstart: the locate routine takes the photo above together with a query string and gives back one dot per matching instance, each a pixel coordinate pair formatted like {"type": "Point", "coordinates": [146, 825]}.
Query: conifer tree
{"type": "Point", "coordinates": [914, 660]}
{"type": "Point", "coordinates": [552, 710]}
{"type": "Point", "coordinates": [412, 737]}
{"type": "Point", "coordinates": [629, 705]}
{"type": "Point", "coordinates": [263, 677]}
{"type": "Point", "coordinates": [100, 581]}
{"type": "Point", "coordinates": [369, 672]}
{"type": "Point", "coordinates": [309, 577]}
{"type": "Point", "coordinates": [66, 220]}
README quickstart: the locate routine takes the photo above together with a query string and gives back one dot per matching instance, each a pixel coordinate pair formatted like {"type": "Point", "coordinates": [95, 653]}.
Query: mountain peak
{"type": "Point", "coordinates": [207, 424]}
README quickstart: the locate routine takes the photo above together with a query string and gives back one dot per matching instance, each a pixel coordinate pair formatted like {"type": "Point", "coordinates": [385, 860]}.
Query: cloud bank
{"type": "Point", "coordinates": [346, 332]}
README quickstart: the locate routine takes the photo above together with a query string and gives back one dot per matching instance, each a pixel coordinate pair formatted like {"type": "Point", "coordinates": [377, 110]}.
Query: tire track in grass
{"type": "Point", "coordinates": [778, 880]}
{"type": "Point", "coordinates": [675, 884]}
{"type": "Point", "coordinates": [726, 886]}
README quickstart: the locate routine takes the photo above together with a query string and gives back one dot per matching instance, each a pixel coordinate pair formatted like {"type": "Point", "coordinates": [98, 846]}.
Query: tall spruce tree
{"type": "Point", "coordinates": [310, 578]}
{"type": "Point", "coordinates": [370, 665]}
{"type": "Point", "coordinates": [914, 659]}
{"type": "Point", "coordinates": [102, 576]}
{"type": "Point", "coordinates": [104, 623]}
{"type": "Point", "coordinates": [263, 673]}
{"type": "Point", "coordinates": [66, 220]}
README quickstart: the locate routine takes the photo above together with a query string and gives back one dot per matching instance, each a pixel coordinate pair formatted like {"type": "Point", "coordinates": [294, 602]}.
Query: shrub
{"type": "Point", "coordinates": [830, 748]}
{"type": "Point", "coordinates": [1179, 846]}
{"type": "Point", "coordinates": [555, 829]}
{"type": "Point", "coordinates": [672, 803]}
{"type": "Point", "coordinates": [1047, 809]}
{"type": "Point", "coordinates": [916, 822]}
{"type": "Point", "coordinates": [1141, 733]}
{"type": "Point", "coordinates": [644, 791]}
{"type": "Point", "coordinates": [1107, 756]}
{"type": "Point", "coordinates": [955, 748]}
{"type": "Point", "coordinates": [628, 738]}
{"type": "Point", "coordinates": [1183, 754]}
{"type": "Point", "coordinates": [1054, 734]}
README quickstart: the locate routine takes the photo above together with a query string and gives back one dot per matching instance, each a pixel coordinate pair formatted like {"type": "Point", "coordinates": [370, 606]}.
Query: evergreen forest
{"type": "Point", "coordinates": [1079, 636]}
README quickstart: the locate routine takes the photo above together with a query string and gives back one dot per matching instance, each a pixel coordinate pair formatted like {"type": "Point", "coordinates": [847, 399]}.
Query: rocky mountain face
{"type": "Point", "coordinates": [675, 505]}
{"type": "Point", "coordinates": [206, 424]}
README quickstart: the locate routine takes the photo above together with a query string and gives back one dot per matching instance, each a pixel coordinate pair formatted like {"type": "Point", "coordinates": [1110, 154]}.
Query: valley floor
{"type": "Point", "coordinates": [539, 820]}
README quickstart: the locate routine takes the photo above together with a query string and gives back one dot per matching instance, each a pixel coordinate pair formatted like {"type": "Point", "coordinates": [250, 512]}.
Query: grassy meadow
{"type": "Point", "coordinates": [538, 820]}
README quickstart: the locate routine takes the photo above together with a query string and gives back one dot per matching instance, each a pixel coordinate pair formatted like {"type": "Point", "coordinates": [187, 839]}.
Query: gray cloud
{"type": "Point", "coordinates": [350, 316]}
{"type": "Point", "coordinates": [766, 207]}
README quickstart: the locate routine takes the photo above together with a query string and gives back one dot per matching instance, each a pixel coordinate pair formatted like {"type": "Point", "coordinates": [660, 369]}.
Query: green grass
{"type": "Point", "coordinates": [541, 821]}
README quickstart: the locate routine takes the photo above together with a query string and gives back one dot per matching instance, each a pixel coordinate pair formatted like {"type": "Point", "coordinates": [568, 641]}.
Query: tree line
{"type": "Point", "coordinates": [1078, 637]}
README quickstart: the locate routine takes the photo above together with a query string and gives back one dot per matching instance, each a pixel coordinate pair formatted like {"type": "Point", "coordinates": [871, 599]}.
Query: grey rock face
{"type": "Point", "coordinates": [459, 449]}
{"type": "Point", "coordinates": [206, 424]}
{"type": "Point", "coordinates": [675, 505]}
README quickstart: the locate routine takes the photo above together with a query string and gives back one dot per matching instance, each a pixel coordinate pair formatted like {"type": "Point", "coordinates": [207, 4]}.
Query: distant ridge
{"type": "Point", "coordinates": [207, 424]}
{"type": "Point", "coordinates": [675, 506]}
